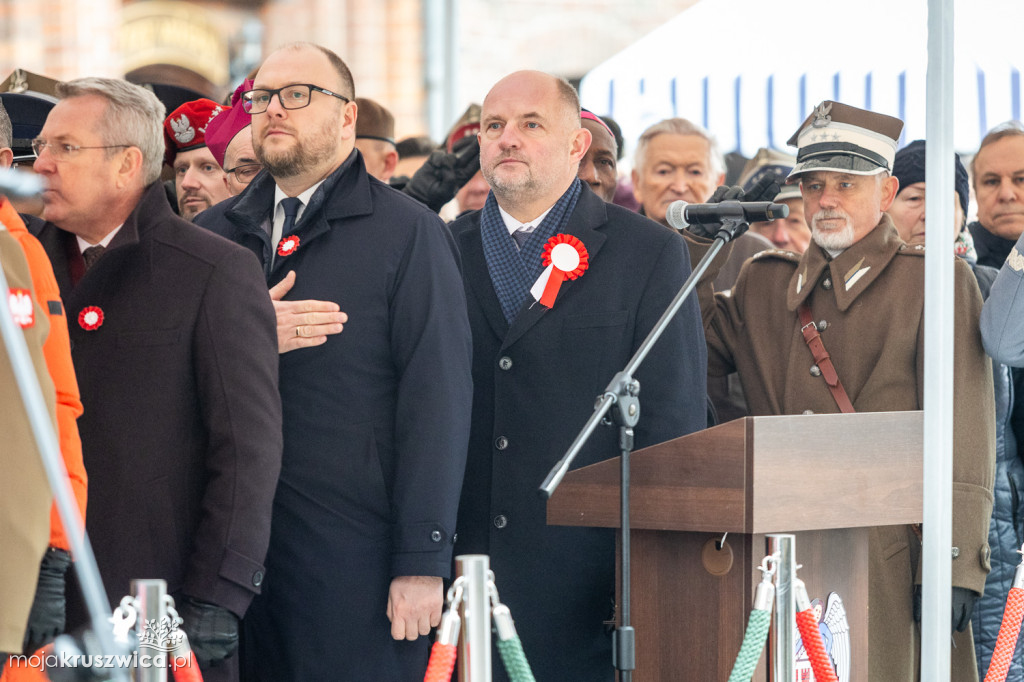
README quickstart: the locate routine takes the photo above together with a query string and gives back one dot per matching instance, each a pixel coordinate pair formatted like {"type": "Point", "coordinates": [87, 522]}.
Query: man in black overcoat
{"type": "Point", "coordinates": [376, 416]}
{"type": "Point", "coordinates": [172, 336]}
{"type": "Point", "coordinates": [538, 365]}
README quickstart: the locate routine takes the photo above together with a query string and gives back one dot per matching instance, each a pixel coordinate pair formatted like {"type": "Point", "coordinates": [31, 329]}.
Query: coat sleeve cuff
{"type": "Point", "coordinates": [238, 580]}
{"type": "Point", "coordinates": [972, 510]}
{"type": "Point", "coordinates": [422, 549]}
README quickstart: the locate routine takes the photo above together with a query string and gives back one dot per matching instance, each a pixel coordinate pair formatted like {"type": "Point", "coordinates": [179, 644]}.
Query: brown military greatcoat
{"type": "Point", "coordinates": [869, 303]}
{"type": "Point", "coordinates": [24, 494]}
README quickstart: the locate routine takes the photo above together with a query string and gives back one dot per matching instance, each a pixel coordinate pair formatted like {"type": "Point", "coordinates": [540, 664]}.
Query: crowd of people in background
{"type": "Point", "coordinates": [296, 363]}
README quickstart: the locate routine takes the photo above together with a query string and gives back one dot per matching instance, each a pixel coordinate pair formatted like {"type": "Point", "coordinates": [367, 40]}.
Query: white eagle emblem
{"type": "Point", "coordinates": [20, 301]}
{"type": "Point", "coordinates": [183, 130]}
{"type": "Point", "coordinates": [1015, 260]}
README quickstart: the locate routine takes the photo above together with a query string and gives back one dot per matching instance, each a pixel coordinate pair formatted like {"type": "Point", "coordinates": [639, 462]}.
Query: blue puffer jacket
{"type": "Point", "coordinates": [1005, 533]}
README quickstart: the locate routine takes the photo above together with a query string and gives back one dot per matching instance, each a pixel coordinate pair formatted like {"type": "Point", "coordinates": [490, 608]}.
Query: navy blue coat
{"type": "Point", "coordinates": [535, 383]}
{"type": "Point", "coordinates": [181, 433]}
{"type": "Point", "coordinates": [376, 423]}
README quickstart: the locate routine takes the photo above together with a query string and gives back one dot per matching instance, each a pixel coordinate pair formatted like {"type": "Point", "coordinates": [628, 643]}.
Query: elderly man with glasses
{"type": "Point", "coordinates": [176, 358]}
{"type": "Point", "coordinates": [377, 416]}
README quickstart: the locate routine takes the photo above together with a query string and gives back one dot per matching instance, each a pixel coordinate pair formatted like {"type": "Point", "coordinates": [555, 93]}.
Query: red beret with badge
{"type": "Point", "coordinates": [185, 128]}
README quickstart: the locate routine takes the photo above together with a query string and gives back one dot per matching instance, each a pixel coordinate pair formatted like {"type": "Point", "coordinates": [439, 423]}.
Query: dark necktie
{"type": "Point", "coordinates": [91, 255]}
{"type": "Point", "coordinates": [291, 209]}
{"type": "Point", "coordinates": [521, 235]}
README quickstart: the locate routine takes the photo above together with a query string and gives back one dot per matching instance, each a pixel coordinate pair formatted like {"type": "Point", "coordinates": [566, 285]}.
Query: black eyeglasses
{"type": "Point", "coordinates": [62, 151]}
{"type": "Point", "coordinates": [294, 96]}
{"type": "Point", "coordinates": [245, 173]}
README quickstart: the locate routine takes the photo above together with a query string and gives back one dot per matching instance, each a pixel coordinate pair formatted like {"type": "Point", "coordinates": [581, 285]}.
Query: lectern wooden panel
{"type": "Point", "coordinates": [826, 478]}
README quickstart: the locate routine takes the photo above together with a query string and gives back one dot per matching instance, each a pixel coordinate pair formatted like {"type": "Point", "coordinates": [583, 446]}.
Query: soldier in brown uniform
{"type": "Point", "coordinates": [24, 494]}
{"type": "Point", "coordinates": [864, 289]}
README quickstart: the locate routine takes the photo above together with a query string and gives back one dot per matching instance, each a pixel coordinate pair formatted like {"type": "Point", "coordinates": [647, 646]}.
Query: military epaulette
{"type": "Point", "coordinates": [915, 250]}
{"type": "Point", "coordinates": [780, 254]}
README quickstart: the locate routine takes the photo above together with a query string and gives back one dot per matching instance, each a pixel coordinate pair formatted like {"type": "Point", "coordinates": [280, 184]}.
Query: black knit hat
{"type": "Point", "coordinates": [908, 168]}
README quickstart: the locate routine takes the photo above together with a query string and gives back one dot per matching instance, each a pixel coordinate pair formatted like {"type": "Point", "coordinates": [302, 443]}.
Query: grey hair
{"type": "Point", "coordinates": [6, 128]}
{"type": "Point", "coordinates": [133, 117]}
{"type": "Point", "coordinates": [1008, 129]}
{"type": "Point", "coordinates": [680, 126]}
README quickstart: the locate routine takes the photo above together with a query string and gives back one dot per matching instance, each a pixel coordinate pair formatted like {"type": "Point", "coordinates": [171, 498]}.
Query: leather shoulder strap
{"type": "Point", "coordinates": [823, 360]}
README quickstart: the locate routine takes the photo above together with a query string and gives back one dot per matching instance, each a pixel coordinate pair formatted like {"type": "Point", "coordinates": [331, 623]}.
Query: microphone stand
{"type": "Point", "coordinates": [622, 393]}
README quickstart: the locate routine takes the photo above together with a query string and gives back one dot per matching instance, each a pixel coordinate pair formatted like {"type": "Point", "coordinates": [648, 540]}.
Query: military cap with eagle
{"type": "Point", "coordinates": [844, 139]}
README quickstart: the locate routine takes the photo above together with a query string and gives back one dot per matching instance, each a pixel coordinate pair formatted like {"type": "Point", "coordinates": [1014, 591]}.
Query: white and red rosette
{"type": "Point", "coordinates": [564, 258]}
{"type": "Point", "coordinates": [287, 245]}
{"type": "Point", "coordinates": [91, 318]}
{"type": "Point", "coordinates": [20, 302]}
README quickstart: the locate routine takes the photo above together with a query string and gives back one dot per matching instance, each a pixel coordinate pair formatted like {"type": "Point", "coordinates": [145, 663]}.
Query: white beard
{"type": "Point", "coordinates": [832, 239]}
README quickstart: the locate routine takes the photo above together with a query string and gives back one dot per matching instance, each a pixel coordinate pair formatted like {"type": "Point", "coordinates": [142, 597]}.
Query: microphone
{"type": "Point", "coordinates": [681, 215]}
{"type": "Point", "coordinates": [19, 184]}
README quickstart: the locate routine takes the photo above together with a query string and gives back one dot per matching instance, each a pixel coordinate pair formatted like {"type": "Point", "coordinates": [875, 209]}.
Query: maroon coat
{"type": "Point", "coordinates": [182, 427]}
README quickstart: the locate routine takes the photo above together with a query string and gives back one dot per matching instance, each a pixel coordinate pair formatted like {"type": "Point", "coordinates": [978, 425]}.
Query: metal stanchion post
{"type": "Point", "coordinates": [783, 639]}
{"type": "Point", "coordinates": [475, 639]}
{"type": "Point", "coordinates": [150, 601]}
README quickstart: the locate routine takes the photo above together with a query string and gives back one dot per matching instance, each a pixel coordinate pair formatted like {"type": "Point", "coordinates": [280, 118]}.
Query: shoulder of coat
{"type": "Point", "coordinates": [776, 254]}
{"type": "Point", "coordinates": [908, 250]}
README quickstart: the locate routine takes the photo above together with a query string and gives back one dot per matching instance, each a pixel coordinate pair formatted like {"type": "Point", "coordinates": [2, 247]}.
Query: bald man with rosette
{"type": "Point", "coordinates": [861, 289]}
{"type": "Point", "coordinates": [538, 365]}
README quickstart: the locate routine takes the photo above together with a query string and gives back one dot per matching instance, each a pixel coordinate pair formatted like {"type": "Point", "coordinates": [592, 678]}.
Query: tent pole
{"type": "Point", "coordinates": [938, 354]}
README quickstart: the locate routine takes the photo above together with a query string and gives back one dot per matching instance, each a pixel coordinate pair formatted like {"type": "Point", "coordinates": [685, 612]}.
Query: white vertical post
{"type": "Point", "coordinates": [475, 610]}
{"type": "Point", "coordinates": [938, 353]}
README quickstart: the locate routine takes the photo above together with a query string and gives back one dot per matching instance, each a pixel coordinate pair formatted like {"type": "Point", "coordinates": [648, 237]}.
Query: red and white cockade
{"type": "Point", "coordinates": [91, 318]}
{"type": "Point", "coordinates": [564, 258]}
{"type": "Point", "coordinates": [287, 245]}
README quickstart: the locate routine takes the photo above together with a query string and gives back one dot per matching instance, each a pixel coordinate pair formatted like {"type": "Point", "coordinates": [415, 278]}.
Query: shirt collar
{"type": "Point", "coordinates": [105, 242]}
{"type": "Point", "coordinates": [513, 225]}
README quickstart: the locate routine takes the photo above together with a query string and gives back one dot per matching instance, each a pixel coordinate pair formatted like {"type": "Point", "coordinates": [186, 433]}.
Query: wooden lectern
{"type": "Point", "coordinates": [825, 478]}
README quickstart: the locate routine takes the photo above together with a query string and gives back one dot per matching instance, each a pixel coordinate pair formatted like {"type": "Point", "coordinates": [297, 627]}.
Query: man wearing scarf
{"type": "Point", "coordinates": [538, 364]}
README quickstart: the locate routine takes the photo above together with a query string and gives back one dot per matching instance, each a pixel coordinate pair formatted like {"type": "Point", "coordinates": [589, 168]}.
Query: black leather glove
{"type": "Point", "coordinates": [442, 175]}
{"type": "Point", "coordinates": [212, 630]}
{"type": "Point", "coordinates": [963, 601]}
{"type": "Point", "coordinates": [764, 190]}
{"type": "Point", "coordinates": [46, 619]}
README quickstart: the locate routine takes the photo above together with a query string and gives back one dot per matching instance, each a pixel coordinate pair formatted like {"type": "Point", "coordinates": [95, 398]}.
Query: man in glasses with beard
{"type": "Point", "coordinates": [858, 291]}
{"type": "Point", "coordinates": [376, 416]}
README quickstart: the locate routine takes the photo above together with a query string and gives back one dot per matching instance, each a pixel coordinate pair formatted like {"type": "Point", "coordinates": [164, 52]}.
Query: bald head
{"type": "Point", "coordinates": [531, 141]}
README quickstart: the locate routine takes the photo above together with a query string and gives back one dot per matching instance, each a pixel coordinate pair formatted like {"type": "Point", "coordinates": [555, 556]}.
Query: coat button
{"type": "Point", "coordinates": [956, 552]}
{"type": "Point", "coordinates": [822, 326]}
{"type": "Point", "coordinates": [827, 284]}
{"type": "Point", "coordinates": [505, 363]}
{"type": "Point", "coordinates": [815, 371]}
{"type": "Point", "coordinates": [257, 578]}
{"type": "Point", "coordinates": [501, 442]}
{"type": "Point", "coordinates": [500, 521]}
{"type": "Point", "coordinates": [435, 536]}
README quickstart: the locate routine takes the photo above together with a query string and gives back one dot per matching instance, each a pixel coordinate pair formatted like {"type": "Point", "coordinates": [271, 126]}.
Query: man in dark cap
{"type": "Point", "coordinates": [792, 232]}
{"type": "Point", "coordinates": [598, 166]}
{"type": "Point", "coordinates": [859, 289]}
{"type": "Point", "coordinates": [375, 138]}
{"type": "Point", "coordinates": [198, 178]}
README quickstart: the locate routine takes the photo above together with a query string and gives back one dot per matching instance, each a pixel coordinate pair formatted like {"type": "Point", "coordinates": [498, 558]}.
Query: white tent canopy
{"type": "Point", "coordinates": [751, 71]}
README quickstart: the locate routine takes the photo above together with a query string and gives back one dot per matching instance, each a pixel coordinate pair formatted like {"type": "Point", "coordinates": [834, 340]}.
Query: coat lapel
{"type": "Point", "coordinates": [478, 279]}
{"type": "Point", "coordinates": [590, 214]}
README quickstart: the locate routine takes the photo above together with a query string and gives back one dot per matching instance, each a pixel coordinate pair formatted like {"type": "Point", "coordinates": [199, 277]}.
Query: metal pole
{"type": "Point", "coordinates": [149, 600]}
{"type": "Point", "coordinates": [938, 350]}
{"type": "Point", "coordinates": [784, 619]}
{"type": "Point", "coordinates": [475, 610]}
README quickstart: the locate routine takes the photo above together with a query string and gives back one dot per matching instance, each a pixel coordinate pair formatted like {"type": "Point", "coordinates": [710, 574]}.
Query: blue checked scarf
{"type": "Point", "coordinates": [513, 272]}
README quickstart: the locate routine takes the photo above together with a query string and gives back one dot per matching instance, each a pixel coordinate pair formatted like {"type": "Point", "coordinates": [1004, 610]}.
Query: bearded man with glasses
{"type": "Point", "coordinates": [377, 416]}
